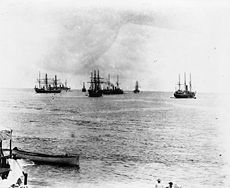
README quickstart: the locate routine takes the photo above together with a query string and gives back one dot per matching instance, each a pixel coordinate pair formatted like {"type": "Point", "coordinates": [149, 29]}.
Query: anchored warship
{"type": "Point", "coordinates": [186, 93]}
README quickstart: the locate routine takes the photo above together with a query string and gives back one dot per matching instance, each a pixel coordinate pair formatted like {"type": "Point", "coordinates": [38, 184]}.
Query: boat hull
{"type": "Point", "coordinates": [41, 90]}
{"type": "Point", "coordinates": [185, 95]}
{"type": "Point", "coordinates": [112, 92]}
{"type": "Point", "coordinates": [97, 93]}
{"type": "Point", "coordinates": [136, 91]}
{"type": "Point", "coordinates": [47, 159]}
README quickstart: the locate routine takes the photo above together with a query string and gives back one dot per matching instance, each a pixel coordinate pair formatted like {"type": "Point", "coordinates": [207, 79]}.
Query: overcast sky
{"type": "Point", "coordinates": [149, 41]}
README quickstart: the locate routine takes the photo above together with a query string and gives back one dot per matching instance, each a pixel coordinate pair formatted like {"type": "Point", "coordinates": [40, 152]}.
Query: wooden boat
{"type": "Point", "coordinates": [45, 158]}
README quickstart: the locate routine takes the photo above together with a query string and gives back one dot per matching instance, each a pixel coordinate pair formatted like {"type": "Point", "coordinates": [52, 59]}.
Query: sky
{"type": "Point", "coordinates": [149, 41]}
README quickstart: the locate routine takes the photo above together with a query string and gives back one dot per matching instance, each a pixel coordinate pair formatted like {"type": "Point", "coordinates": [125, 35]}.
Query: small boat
{"type": "Point", "coordinates": [185, 93]}
{"type": "Point", "coordinates": [83, 88]}
{"type": "Point", "coordinates": [136, 88]}
{"type": "Point", "coordinates": [41, 158]}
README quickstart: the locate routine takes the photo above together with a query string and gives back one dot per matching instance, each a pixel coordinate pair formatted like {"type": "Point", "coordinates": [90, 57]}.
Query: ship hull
{"type": "Point", "coordinates": [184, 95]}
{"type": "Point", "coordinates": [136, 91]}
{"type": "Point", "coordinates": [95, 93]}
{"type": "Point", "coordinates": [41, 90]}
{"type": "Point", "coordinates": [112, 92]}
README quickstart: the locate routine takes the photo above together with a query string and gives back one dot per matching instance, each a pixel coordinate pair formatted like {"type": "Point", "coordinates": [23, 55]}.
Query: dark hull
{"type": "Point", "coordinates": [184, 95]}
{"type": "Point", "coordinates": [37, 90]}
{"type": "Point", "coordinates": [136, 91]}
{"type": "Point", "coordinates": [65, 88]}
{"type": "Point", "coordinates": [112, 92]}
{"type": "Point", "coordinates": [46, 159]}
{"type": "Point", "coordinates": [93, 93]}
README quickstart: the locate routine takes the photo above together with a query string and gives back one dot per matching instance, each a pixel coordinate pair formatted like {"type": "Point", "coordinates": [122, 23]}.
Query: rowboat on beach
{"type": "Point", "coordinates": [41, 158]}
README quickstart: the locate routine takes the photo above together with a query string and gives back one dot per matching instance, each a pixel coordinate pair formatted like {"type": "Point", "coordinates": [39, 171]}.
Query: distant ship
{"type": "Point", "coordinates": [95, 85]}
{"type": "Point", "coordinates": [136, 90]}
{"type": "Point", "coordinates": [47, 85]}
{"type": "Point", "coordinates": [111, 89]}
{"type": "Point", "coordinates": [83, 88]}
{"type": "Point", "coordinates": [185, 93]}
{"type": "Point", "coordinates": [64, 87]}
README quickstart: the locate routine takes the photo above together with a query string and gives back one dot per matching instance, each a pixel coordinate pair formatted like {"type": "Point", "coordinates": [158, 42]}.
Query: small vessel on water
{"type": "Point", "coordinates": [136, 90]}
{"type": "Point", "coordinates": [41, 158]}
{"type": "Point", "coordinates": [111, 89]}
{"type": "Point", "coordinates": [95, 85]}
{"type": "Point", "coordinates": [83, 87]}
{"type": "Point", "coordinates": [11, 173]}
{"type": "Point", "coordinates": [185, 93]}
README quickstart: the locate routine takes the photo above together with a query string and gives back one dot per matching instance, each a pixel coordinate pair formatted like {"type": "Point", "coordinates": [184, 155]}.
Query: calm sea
{"type": "Point", "coordinates": [124, 141]}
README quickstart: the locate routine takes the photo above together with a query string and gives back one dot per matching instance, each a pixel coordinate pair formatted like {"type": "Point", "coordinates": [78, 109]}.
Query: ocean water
{"type": "Point", "coordinates": [124, 141]}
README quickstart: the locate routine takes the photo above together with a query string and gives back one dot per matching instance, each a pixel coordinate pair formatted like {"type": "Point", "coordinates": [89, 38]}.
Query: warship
{"type": "Point", "coordinates": [95, 85]}
{"type": "Point", "coordinates": [47, 85]}
{"type": "Point", "coordinates": [64, 87]}
{"type": "Point", "coordinates": [136, 90]}
{"type": "Point", "coordinates": [111, 89]}
{"type": "Point", "coordinates": [186, 93]}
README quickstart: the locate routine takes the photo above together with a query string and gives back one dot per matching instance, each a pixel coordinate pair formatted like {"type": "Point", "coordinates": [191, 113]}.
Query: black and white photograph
{"type": "Point", "coordinates": [114, 94]}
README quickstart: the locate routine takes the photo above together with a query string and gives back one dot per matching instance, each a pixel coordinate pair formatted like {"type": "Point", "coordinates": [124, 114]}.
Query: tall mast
{"type": "Point", "coordinates": [95, 80]}
{"type": "Point", "coordinates": [91, 80]}
{"type": "Point", "coordinates": [39, 80]}
{"type": "Point", "coordinates": [66, 83]}
{"type": "Point", "coordinates": [98, 80]}
{"type": "Point", "coordinates": [185, 81]}
{"type": "Point", "coordinates": [55, 81]}
{"type": "Point", "coordinates": [109, 80]}
{"type": "Point", "coordinates": [190, 83]}
{"type": "Point", "coordinates": [117, 81]}
{"type": "Point", "coordinates": [46, 81]}
{"type": "Point", "coordinates": [179, 82]}
{"type": "Point", "coordinates": [136, 85]}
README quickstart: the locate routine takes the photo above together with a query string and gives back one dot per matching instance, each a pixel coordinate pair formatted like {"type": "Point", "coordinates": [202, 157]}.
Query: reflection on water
{"type": "Point", "coordinates": [124, 141]}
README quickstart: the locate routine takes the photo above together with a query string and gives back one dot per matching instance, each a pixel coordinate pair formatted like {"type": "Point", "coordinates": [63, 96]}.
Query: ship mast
{"type": "Point", "coordinates": [98, 80]}
{"type": "Point", "coordinates": [109, 81]}
{"type": "Point", "coordinates": [117, 81]}
{"type": "Point", "coordinates": [136, 85]}
{"type": "Point", "coordinates": [185, 86]}
{"type": "Point", "coordinates": [39, 80]}
{"type": "Point", "coordinates": [66, 83]}
{"type": "Point", "coordinates": [46, 81]}
{"type": "Point", "coordinates": [55, 81]}
{"type": "Point", "coordinates": [179, 82]}
{"type": "Point", "coordinates": [190, 83]}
